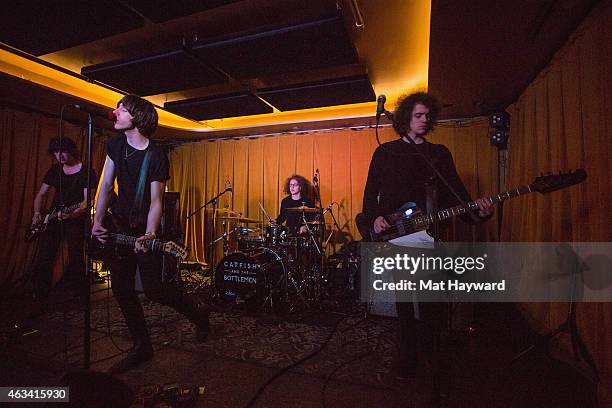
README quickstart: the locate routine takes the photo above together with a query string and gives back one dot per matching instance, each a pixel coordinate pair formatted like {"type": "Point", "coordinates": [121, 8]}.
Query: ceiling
{"type": "Point", "coordinates": [232, 68]}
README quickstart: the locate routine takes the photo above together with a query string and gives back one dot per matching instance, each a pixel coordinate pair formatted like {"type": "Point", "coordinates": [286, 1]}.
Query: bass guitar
{"type": "Point", "coordinates": [408, 219]}
{"type": "Point", "coordinates": [33, 231]}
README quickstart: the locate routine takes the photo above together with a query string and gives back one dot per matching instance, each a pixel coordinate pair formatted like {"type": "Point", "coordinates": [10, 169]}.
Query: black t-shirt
{"type": "Point", "coordinates": [128, 161]}
{"type": "Point", "coordinates": [398, 174]}
{"type": "Point", "coordinates": [294, 218]}
{"type": "Point", "coordinates": [72, 185]}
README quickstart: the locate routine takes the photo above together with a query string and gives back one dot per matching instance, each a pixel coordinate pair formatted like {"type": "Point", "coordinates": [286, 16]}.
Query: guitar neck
{"type": "Point", "coordinates": [427, 219]}
{"type": "Point", "coordinates": [55, 213]}
{"type": "Point", "coordinates": [127, 240]}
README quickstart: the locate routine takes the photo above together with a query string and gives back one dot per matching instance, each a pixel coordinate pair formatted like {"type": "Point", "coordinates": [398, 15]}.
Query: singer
{"type": "Point", "coordinates": [141, 168]}
{"type": "Point", "coordinates": [299, 191]}
{"type": "Point", "coordinates": [399, 174]}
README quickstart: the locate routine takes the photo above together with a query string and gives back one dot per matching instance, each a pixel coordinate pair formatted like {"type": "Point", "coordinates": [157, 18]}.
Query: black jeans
{"type": "Point", "coordinates": [429, 334]}
{"type": "Point", "coordinates": [72, 231]}
{"type": "Point", "coordinates": [123, 271]}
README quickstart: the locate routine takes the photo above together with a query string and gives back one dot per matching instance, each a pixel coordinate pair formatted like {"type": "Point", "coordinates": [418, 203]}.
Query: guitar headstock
{"type": "Point", "coordinates": [553, 182]}
{"type": "Point", "coordinates": [175, 250]}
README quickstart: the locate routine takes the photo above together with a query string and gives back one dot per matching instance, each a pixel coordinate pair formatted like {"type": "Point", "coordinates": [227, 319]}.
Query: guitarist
{"type": "Point", "coordinates": [136, 119]}
{"type": "Point", "coordinates": [398, 174]}
{"type": "Point", "coordinates": [68, 181]}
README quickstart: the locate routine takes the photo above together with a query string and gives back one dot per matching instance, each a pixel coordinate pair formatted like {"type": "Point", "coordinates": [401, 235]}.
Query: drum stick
{"type": "Point", "coordinates": [264, 211]}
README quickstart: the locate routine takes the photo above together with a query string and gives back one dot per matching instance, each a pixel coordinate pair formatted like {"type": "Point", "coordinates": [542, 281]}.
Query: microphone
{"type": "Point", "coordinates": [228, 187]}
{"type": "Point", "coordinates": [380, 108]}
{"type": "Point", "coordinates": [329, 207]}
{"type": "Point", "coordinates": [110, 115]}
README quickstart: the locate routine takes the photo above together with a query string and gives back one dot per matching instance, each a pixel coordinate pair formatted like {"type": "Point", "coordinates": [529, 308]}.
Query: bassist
{"type": "Point", "coordinates": [398, 174]}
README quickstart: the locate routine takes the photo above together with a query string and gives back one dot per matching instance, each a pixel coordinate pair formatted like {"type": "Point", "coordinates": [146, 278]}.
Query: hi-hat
{"type": "Point", "coordinates": [303, 208]}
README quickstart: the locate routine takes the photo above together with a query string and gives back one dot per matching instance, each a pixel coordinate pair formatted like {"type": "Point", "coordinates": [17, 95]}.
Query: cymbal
{"type": "Point", "coordinates": [226, 210]}
{"type": "Point", "coordinates": [303, 208]}
{"type": "Point", "coordinates": [240, 219]}
{"type": "Point", "coordinates": [314, 222]}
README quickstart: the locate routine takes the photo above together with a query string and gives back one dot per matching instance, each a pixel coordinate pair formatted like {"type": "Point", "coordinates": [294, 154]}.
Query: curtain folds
{"type": "Point", "coordinates": [562, 122]}
{"type": "Point", "coordinates": [258, 167]}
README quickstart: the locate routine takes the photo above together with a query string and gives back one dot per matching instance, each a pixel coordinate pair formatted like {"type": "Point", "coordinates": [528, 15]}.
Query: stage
{"type": "Point", "coordinates": [333, 355]}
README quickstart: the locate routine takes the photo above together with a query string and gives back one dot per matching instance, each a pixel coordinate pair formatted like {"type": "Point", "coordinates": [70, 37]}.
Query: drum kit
{"type": "Point", "coordinates": [269, 267]}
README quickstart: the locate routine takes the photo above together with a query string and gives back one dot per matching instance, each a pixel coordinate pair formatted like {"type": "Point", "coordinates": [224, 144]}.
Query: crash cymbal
{"type": "Point", "coordinates": [303, 208]}
{"type": "Point", "coordinates": [240, 219]}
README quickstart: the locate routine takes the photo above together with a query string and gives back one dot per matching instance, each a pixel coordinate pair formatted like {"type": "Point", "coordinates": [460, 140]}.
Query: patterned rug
{"type": "Point", "coordinates": [358, 350]}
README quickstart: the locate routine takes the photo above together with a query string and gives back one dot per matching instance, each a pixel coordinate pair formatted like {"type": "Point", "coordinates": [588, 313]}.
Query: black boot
{"type": "Point", "coordinates": [140, 353]}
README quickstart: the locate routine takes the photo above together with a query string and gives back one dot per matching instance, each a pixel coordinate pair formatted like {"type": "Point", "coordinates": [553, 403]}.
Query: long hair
{"type": "Point", "coordinates": [403, 112]}
{"type": "Point", "coordinates": [306, 187]}
{"type": "Point", "coordinates": [143, 112]}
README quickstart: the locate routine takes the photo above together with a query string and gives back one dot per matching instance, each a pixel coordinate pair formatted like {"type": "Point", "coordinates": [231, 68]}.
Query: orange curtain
{"type": "Point", "coordinates": [258, 167]}
{"type": "Point", "coordinates": [24, 139]}
{"type": "Point", "coordinates": [562, 122]}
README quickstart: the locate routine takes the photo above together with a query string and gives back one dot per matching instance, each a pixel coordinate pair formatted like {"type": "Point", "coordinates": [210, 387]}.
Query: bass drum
{"type": "Point", "coordinates": [247, 278]}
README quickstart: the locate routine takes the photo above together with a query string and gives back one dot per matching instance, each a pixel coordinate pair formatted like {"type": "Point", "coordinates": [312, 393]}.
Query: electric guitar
{"type": "Point", "coordinates": [156, 245]}
{"type": "Point", "coordinates": [410, 220]}
{"type": "Point", "coordinates": [33, 231]}
{"type": "Point", "coordinates": [119, 242]}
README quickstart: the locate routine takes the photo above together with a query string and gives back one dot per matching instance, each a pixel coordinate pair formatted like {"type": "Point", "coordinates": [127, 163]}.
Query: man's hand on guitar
{"type": "Point", "coordinates": [99, 231]}
{"type": "Point", "coordinates": [485, 207]}
{"type": "Point", "coordinates": [36, 219]}
{"type": "Point", "coordinates": [141, 243]}
{"type": "Point", "coordinates": [380, 224]}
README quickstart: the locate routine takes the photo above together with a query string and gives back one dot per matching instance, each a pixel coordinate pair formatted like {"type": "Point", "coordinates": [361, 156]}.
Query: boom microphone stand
{"type": "Point", "coordinates": [214, 202]}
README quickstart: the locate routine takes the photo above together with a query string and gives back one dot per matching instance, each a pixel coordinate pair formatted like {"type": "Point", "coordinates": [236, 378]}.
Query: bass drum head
{"type": "Point", "coordinates": [245, 278]}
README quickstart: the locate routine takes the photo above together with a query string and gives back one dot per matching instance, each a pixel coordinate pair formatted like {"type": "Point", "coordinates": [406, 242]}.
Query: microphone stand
{"type": "Point", "coordinates": [214, 202]}
{"type": "Point", "coordinates": [335, 222]}
{"type": "Point", "coordinates": [88, 261]}
{"type": "Point", "coordinates": [318, 199]}
{"type": "Point", "coordinates": [317, 183]}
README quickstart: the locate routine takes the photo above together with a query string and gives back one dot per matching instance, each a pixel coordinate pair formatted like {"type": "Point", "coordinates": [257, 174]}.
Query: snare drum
{"type": "Point", "coordinates": [241, 277]}
{"type": "Point", "coordinates": [276, 235]}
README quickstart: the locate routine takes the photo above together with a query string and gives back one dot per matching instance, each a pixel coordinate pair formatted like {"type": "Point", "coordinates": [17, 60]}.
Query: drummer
{"type": "Point", "coordinates": [299, 190]}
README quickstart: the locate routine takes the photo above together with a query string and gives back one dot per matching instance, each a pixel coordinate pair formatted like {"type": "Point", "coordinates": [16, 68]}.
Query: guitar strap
{"type": "Point", "coordinates": [136, 211]}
